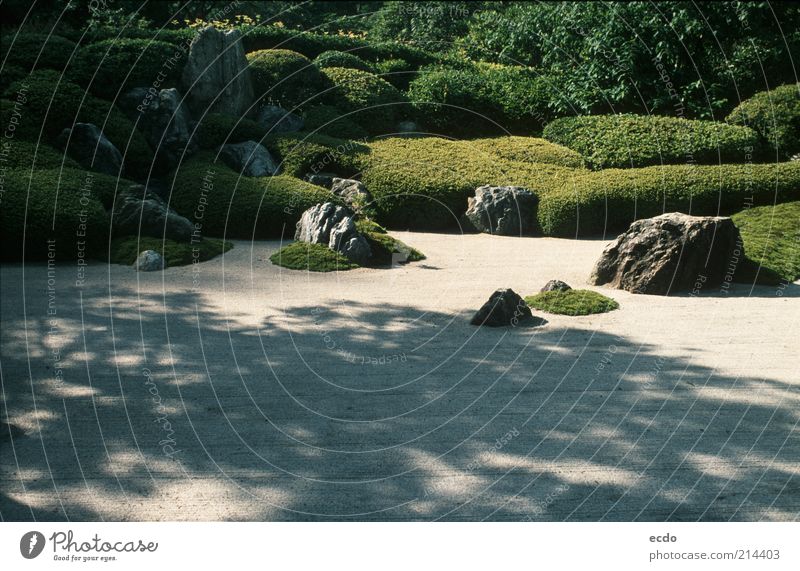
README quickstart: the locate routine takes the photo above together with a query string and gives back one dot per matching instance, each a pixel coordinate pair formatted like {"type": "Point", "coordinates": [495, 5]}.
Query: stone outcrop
{"type": "Point", "coordinates": [249, 158]}
{"type": "Point", "coordinates": [505, 307]}
{"type": "Point", "coordinates": [504, 210]}
{"type": "Point", "coordinates": [334, 226]}
{"type": "Point", "coordinates": [87, 144]}
{"type": "Point", "coordinates": [138, 212]}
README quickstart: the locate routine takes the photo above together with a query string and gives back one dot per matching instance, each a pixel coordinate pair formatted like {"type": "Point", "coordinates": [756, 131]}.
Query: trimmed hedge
{"type": "Point", "coordinates": [284, 77]}
{"type": "Point", "coordinates": [328, 120]}
{"type": "Point", "coordinates": [487, 98]}
{"type": "Point", "coordinates": [776, 116]}
{"type": "Point", "coordinates": [216, 129]}
{"type": "Point", "coordinates": [26, 155]}
{"type": "Point", "coordinates": [771, 236]}
{"type": "Point", "coordinates": [396, 71]}
{"type": "Point", "coordinates": [302, 153]}
{"type": "Point", "coordinates": [333, 58]}
{"type": "Point", "coordinates": [230, 206]}
{"type": "Point", "coordinates": [373, 100]}
{"type": "Point", "coordinates": [526, 149]}
{"type": "Point", "coordinates": [624, 141]}
{"type": "Point", "coordinates": [609, 200]}
{"type": "Point", "coordinates": [111, 67]}
{"type": "Point", "coordinates": [57, 209]}
{"type": "Point", "coordinates": [29, 51]}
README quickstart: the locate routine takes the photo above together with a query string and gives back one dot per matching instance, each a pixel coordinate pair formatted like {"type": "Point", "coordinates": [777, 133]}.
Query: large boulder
{"type": "Point", "coordinates": [277, 120]}
{"type": "Point", "coordinates": [138, 212]}
{"type": "Point", "coordinates": [87, 144]}
{"type": "Point", "coordinates": [504, 307]}
{"type": "Point", "coordinates": [334, 226]}
{"type": "Point", "coordinates": [671, 253]}
{"type": "Point", "coordinates": [352, 192]}
{"type": "Point", "coordinates": [165, 122]}
{"type": "Point", "coordinates": [504, 210]}
{"type": "Point", "coordinates": [149, 261]}
{"type": "Point", "coordinates": [556, 285]}
{"type": "Point", "coordinates": [249, 158]}
{"type": "Point", "coordinates": [216, 78]}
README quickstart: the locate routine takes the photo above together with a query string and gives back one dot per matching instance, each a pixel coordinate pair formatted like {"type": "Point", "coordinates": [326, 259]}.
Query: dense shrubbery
{"type": "Point", "coordinates": [26, 155]}
{"type": "Point", "coordinates": [284, 77]}
{"type": "Point", "coordinates": [303, 153]}
{"type": "Point", "coordinates": [230, 206]}
{"type": "Point", "coordinates": [636, 141]}
{"type": "Point", "coordinates": [328, 120]}
{"type": "Point", "coordinates": [525, 150]}
{"type": "Point", "coordinates": [376, 104]}
{"type": "Point", "coordinates": [335, 58]}
{"type": "Point", "coordinates": [396, 71]}
{"type": "Point", "coordinates": [35, 51]}
{"type": "Point", "coordinates": [111, 67]}
{"type": "Point", "coordinates": [775, 115]}
{"type": "Point", "coordinates": [215, 129]}
{"type": "Point", "coordinates": [609, 200]}
{"type": "Point", "coordinates": [487, 98]}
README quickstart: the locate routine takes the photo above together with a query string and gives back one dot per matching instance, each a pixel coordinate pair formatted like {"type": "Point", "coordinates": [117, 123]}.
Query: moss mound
{"type": "Point", "coordinates": [572, 302]}
{"type": "Point", "coordinates": [26, 155]}
{"type": "Point", "coordinates": [125, 250]}
{"type": "Point", "coordinates": [771, 237]}
{"type": "Point", "coordinates": [384, 247]}
{"type": "Point", "coordinates": [311, 257]}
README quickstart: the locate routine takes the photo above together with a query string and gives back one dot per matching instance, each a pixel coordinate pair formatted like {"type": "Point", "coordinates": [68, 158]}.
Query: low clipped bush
{"type": "Point", "coordinates": [609, 200]}
{"type": "Point", "coordinates": [215, 129]}
{"type": "Point", "coordinates": [311, 258]}
{"type": "Point", "coordinates": [111, 67]}
{"type": "Point", "coordinates": [330, 121]}
{"type": "Point", "coordinates": [376, 104]}
{"type": "Point", "coordinates": [481, 99]}
{"type": "Point", "coordinates": [126, 249]}
{"type": "Point", "coordinates": [572, 302]}
{"type": "Point", "coordinates": [285, 78]}
{"type": "Point", "coordinates": [775, 115]}
{"type": "Point", "coordinates": [335, 58]}
{"type": "Point", "coordinates": [51, 211]}
{"type": "Point", "coordinates": [230, 206]}
{"type": "Point", "coordinates": [35, 51]}
{"type": "Point", "coordinates": [622, 141]}
{"type": "Point", "coordinates": [771, 237]}
{"type": "Point", "coordinates": [26, 155]}
{"type": "Point", "coordinates": [303, 153]}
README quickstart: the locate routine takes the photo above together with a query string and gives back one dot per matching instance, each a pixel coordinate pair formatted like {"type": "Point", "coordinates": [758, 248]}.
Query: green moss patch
{"type": "Point", "coordinates": [771, 236]}
{"type": "Point", "coordinates": [311, 257]}
{"type": "Point", "coordinates": [126, 249]}
{"type": "Point", "coordinates": [572, 302]}
{"type": "Point", "coordinates": [384, 246]}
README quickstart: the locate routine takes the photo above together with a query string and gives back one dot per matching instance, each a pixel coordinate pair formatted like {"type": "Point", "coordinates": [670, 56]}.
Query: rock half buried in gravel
{"type": "Point", "coordinates": [149, 261]}
{"type": "Point", "coordinates": [556, 285]}
{"type": "Point", "coordinates": [505, 308]}
{"type": "Point", "coordinates": [670, 253]}
{"type": "Point", "coordinates": [334, 226]}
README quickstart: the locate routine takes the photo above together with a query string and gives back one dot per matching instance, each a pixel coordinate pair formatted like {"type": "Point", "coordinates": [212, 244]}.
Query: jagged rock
{"type": "Point", "coordinates": [504, 210]}
{"type": "Point", "coordinates": [335, 227]}
{"type": "Point", "coordinates": [90, 147]}
{"type": "Point", "coordinates": [504, 307]}
{"type": "Point", "coordinates": [556, 285]}
{"type": "Point", "coordinates": [323, 179]}
{"type": "Point", "coordinates": [138, 212]}
{"type": "Point", "coordinates": [352, 192]}
{"type": "Point", "coordinates": [216, 78]}
{"type": "Point", "coordinates": [249, 158]}
{"type": "Point", "coordinates": [277, 120]}
{"type": "Point", "coordinates": [149, 261]}
{"type": "Point", "coordinates": [670, 253]}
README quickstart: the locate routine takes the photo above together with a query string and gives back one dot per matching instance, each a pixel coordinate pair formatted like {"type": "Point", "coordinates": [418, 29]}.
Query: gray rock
{"type": "Point", "coordinates": [249, 158]}
{"type": "Point", "coordinates": [90, 147]}
{"type": "Point", "coordinates": [335, 227]}
{"type": "Point", "coordinates": [671, 253]}
{"type": "Point", "coordinates": [323, 179]}
{"type": "Point", "coordinates": [505, 307]}
{"type": "Point", "coordinates": [504, 210]}
{"type": "Point", "coordinates": [352, 192]}
{"type": "Point", "coordinates": [277, 120]}
{"type": "Point", "coordinates": [556, 285]}
{"type": "Point", "coordinates": [149, 261]}
{"type": "Point", "coordinates": [408, 129]}
{"type": "Point", "coordinates": [165, 122]}
{"type": "Point", "coordinates": [138, 212]}
{"type": "Point", "coordinates": [216, 78]}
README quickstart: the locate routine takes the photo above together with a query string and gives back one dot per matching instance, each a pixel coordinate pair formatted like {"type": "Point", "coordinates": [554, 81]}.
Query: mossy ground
{"type": "Point", "coordinates": [125, 250]}
{"type": "Point", "coordinates": [771, 236]}
{"type": "Point", "coordinates": [572, 302]}
{"type": "Point", "coordinates": [311, 257]}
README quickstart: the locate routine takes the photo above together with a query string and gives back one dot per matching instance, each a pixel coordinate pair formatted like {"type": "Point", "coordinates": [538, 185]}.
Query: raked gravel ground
{"type": "Point", "coordinates": [235, 390]}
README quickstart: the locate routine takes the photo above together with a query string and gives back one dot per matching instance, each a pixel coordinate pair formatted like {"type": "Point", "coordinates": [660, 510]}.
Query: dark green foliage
{"type": "Point", "coordinates": [431, 25]}
{"type": "Point", "coordinates": [109, 68]}
{"type": "Point", "coordinates": [335, 58]}
{"type": "Point", "coordinates": [775, 115]}
{"type": "Point", "coordinates": [396, 71]}
{"type": "Point", "coordinates": [481, 99]}
{"type": "Point", "coordinates": [311, 257]}
{"type": "Point", "coordinates": [609, 200]}
{"type": "Point", "coordinates": [328, 120]}
{"type": "Point", "coordinates": [284, 77]}
{"type": "Point", "coordinates": [26, 155]}
{"type": "Point", "coordinates": [35, 51]}
{"type": "Point", "coordinates": [11, 73]}
{"type": "Point", "coordinates": [771, 236]}
{"type": "Point", "coordinates": [303, 153]}
{"type": "Point", "coordinates": [230, 206]}
{"type": "Point", "coordinates": [126, 249]}
{"type": "Point", "coordinates": [51, 205]}
{"type": "Point", "coordinates": [216, 129]}
{"type": "Point", "coordinates": [376, 104]}
{"type": "Point", "coordinates": [572, 302]}
{"type": "Point", "coordinates": [621, 141]}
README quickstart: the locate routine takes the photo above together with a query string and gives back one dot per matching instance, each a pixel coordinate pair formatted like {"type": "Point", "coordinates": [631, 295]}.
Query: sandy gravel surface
{"type": "Point", "coordinates": [236, 390]}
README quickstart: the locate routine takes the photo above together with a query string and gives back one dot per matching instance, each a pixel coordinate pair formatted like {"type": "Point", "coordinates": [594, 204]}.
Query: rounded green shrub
{"type": "Point", "coordinates": [376, 104]}
{"type": "Point", "coordinates": [609, 200]}
{"type": "Point", "coordinates": [330, 121]}
{"type": "Point", "coordinates": [50, 212]}
{"type": "Point", "coordinates": [229, 206]}
{"type": "Point", "coordinates": [526, 150]}
{"type": "Point", "coordinates": [26, 155]}
{"type": "Point", "coordinates": [622, 141]}
{"type": "Point", "coordinates": [284, 77]}
{"type": "Point", "coordinates": [775, 115]}
{"type": "Point", "coordinates": [215, 129]}
{"type": "Point", "coordinates": [572, 302]}
{"type": "Point", "coordinates": [302, 153]}
{"type": "Point", "coordinates": [396, 71]}
{"type": "Point", "coordinates": [35, 51]}
{"type": "Point", "coordinates": [111, 67]}
{"type": "Point", "coordinates": [335, 58]}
